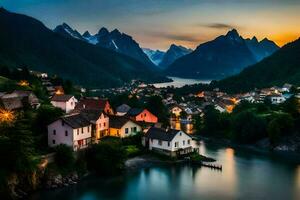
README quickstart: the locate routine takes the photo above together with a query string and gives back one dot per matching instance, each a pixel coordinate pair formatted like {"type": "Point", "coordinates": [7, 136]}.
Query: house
{"type": "Point", "coordinates": [65, 102]}
{"type": "Point", "coordinates": [72, 130]}
{"type": "Point", "coordinates": [286, 87]}
{"type": "Point", "coordinates": [122, 109]}
{"type": "Point", "coordinates": [141, 115]}
{"type": "Point", "coordinates": [121, 126]}
{"type": "Point", "coordinates": [168, 141]}
{"type": "Point", "coordinates": [19, 99]}
{"type": "Point", "coordinates": [99, 121]}
{"type": "Point", "coordinates": [95, 104]}
{"type": "Point", "coordinates": [176, 110]}
{"type": "Point", "coordinates": [276, 98]}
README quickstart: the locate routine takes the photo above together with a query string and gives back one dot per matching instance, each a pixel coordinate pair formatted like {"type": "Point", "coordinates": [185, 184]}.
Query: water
{"type": "Point", "coordinates": [180, 82]}
{"type": "Point", "coordinates": [245, 175]}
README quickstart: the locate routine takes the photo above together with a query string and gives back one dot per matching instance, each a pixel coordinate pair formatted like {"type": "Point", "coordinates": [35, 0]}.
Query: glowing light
{"type": "Point", "coordinates": [6, 116]}
{"type": "Point", "coordinates": [23, 83]}
{"type": "Point", "coordinates": [59, 92]}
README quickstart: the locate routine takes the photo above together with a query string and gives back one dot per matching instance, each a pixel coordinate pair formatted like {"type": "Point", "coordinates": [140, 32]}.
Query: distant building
{"type": "Point", "coordinates": [120, 126]}
{"type": "Point", "coordinates": [95, 104]}
{"type": "Point", "coordinates": [168, 141]}
{"type": "Point", "coordinates": [141, 115]}
{"type": "Point", "coordinates": [19, 99]}
{"type": "Point", "coordinates": [122, 109]}
{"type": "Point", "coordinates": [66, 102]}
{"type": "Point", "coordinates": [276, 98]}
{"type": "Point", "coordinates": [72, 130]}
{"type": "Point", "coordinates": [176, 110]}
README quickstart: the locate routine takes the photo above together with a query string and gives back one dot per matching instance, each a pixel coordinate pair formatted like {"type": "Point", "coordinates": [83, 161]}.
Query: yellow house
{"type": "Point", "coordinates": [122, 127]}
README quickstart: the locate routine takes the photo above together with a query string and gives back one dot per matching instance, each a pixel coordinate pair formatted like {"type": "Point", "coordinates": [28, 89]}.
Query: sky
{"type": "Point", "coordinates": [157, 24]}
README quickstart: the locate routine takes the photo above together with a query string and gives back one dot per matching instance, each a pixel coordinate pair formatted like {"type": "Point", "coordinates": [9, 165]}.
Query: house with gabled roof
{"type": "Point", "coordinates": [141, 115]}
{"type": "Point", "coordinates": [72, 130]}
{"type": "Point", "coordinates": [95, 104]}
{"type": "Point", "coordinates": [120, 126]}
{"type": "Point", "coordinates": [65, 102]}
{"type": "Point", "coordinates": [168, 141]}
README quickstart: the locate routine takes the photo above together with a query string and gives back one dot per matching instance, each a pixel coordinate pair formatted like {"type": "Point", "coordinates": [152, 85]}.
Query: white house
{"type": "Point", "coordinates": [122, 126]}
{"type": "Point", "coordinates": [72, 130]}
{"type": "Point", "coordinates": [168, 141]}
{"type": "Point", "coordinates": [276, 98]}
{"type": "Point", "coordinates": [66, 102]}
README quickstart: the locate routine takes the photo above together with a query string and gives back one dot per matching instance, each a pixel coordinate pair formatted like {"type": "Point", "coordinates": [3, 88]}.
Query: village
{"type": "Point", "coordinates": [88, 120]}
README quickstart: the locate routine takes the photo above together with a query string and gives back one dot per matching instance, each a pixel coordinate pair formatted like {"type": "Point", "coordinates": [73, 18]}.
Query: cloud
{"type": "Point", "coordinates": [219, 26]}
{"type": "Point", "coordinates": [177, 36]}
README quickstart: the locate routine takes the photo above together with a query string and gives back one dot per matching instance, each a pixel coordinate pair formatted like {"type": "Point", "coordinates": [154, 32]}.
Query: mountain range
{"type": "Point", "coordinates": [164, 59]}
{"type": "Point", "coordinates": [226, 55]}
{"type": "Point", "coordinates": [27, 42]}
{"type": "Point", "coordinates": [281, 67]}
{"type": "Point", "coordinates": [114, 40]}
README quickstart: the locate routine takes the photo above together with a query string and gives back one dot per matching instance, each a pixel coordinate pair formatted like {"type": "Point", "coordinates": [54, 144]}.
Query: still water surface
{"type": "Point", "coordinates": [245, 175]}
{"type": "Point", "coordinates": [180, 82]}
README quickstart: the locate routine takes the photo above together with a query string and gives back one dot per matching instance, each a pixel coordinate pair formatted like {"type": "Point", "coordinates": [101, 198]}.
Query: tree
{"type": "Point", "coordinates": [248, 127]}
{"type": "Point", "coordinates": [156, 106]}
{"type": "Point", "coordinates": [106, 157]}
{"type": "Point", "coordinates": [64, 157]}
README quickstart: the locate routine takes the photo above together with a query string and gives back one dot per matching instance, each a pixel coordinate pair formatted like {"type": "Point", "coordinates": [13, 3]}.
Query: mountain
{"type": "Point", "coordinates": [155, 56]}
{"type": "Point", "coordinates": [281, 67]}
{"type": "Point", "coordinates": [172, 54]}
{"type": "Point", "coordinates": [114, 40]}
{"type": "Point", "coordinates": [226, 55]}
{"type": "Point", "coordinates": [261, 49]}
{"type": "Point", "coordinates": [27, 42]}
{"type": "Point", "coordinates": [65, 30]}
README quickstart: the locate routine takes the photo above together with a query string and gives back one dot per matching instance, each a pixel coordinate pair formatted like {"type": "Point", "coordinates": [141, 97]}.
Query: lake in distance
{"type": "Point", "coordinates": [245, 175]}
{"type": "Point", "coordinates": [180, 82]}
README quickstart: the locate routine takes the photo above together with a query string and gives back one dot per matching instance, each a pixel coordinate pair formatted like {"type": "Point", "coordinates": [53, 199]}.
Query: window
{"type": "Point", "coordinates": [168, 144]}
{"type": "Point", "coordinates": [180, 133]}
{"type": "Point", "coordinates": [183, 142]}
{"type": "Point", "coordinates": [54, 132]}
{"type": "Point", "coordinates": [88, 129]}
{"type": "Point", "coordinates": [104, 124]}
{"type": "Point", "coordinates": [145, 115]}
{"type": "Point", "coordinates": [71, 103]}
{"type": "Point", "coordinates": [176, 144]}
{"type": "Point", "coordinates": [82, 130]}
{"type": "Point", "coordinates": [126, 130]}
{"type": "Point", "coordinates": [62, 123]}
{"type": "Point", "coordinates": [53, 141]}
{"type": "Point", "coordinates": [77, 131]}
{"type": "Point", "coordinates": [159, 142]}
{"type": "Point", "coordinates": [134, 129]}
{"type": "Point", "coordinates": [189, 141]}
{"type": "Point", "coordinates": [66, 133]}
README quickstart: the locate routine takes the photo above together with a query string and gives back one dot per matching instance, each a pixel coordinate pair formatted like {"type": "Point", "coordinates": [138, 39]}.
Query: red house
{"type": "Point", "coordinates": [94, 104]}
{"type": "Point", "coordinates": [142, 115]}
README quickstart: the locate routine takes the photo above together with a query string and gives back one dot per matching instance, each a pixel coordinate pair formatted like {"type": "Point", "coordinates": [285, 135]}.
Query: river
{"type": "Point", "coordinates": [245, 175]}
{"type": "Point", "coordinates": [180, 82]}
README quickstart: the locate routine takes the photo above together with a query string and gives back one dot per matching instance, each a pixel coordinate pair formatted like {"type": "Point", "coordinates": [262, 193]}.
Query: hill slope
{"type": "Point", "coordinates": [27, 41]}
{"type": "Point", "coordinates": [281, 67]}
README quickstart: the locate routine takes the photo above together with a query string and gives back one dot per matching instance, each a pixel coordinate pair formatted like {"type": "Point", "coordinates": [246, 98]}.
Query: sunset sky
{"type": "Point", "coordinates": [157, 24]}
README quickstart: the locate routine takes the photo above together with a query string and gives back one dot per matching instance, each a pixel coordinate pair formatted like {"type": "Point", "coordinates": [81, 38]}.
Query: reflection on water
{"type": "Point", "coordinates": [245, 175]}
{"type": "Point", "coordinates": [186, 127]}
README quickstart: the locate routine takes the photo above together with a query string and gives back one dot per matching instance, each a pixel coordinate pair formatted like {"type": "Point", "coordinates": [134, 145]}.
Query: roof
{"type": "Point", "coordinates": [91, 104]}
{"type": "Point", "coordinates": [75, 121]}
{"type": "Point", "coordinates": [135, 111]}
{"type": "Point", "coordinates": [91, 115]}
{"type": "Point", "coordinates": [124, 108]}
{"type": "Point", "coordinates": [12, 103]}
{"type": "Point", "coordinates": [62, 98]}
{"type": "Point", "coordinates": [117, 121]}
{"type": "Point", "coordinates": [162, 134]}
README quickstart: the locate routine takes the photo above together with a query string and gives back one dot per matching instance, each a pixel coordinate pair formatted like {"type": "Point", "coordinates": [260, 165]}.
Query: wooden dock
{"type": "Point", "coordinates": [212, 166]}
